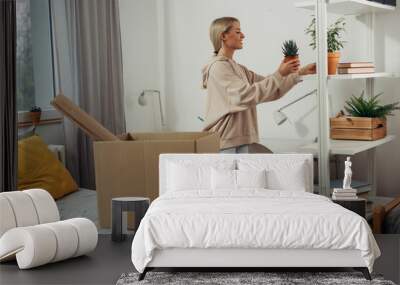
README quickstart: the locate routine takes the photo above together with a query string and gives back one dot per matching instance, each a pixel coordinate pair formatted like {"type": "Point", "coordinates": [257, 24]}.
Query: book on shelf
{"type": "Point", "coordinates": [362, 188]}
{"type": "Point", "coordinates": [344, 194]}
{"type": "Point", "coordinates": [355, 64]}
{"type": "Point", "coordinates": [334, 197]}
{"type": "Point", "coordinates": [356, 70]}
{"type": "Point", "coordinates": [344, 191]}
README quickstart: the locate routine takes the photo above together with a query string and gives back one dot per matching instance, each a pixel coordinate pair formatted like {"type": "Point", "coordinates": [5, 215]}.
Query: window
{"type": "Point", "coordinates": [35, 80]}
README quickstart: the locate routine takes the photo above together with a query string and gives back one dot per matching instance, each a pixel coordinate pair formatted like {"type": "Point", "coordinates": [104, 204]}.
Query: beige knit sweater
{"type": "Point", "coordinates": [233, 92]}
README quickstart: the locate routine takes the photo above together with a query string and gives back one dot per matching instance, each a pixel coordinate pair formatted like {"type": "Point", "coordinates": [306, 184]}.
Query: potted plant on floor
{"type": "Point", "coordinates": [335, 43]}
{"type": "Point", "coordinates": [366, 119]}
{"type": "Point", "coordinates": [35, 114]}
{"type": "Point", "coordinates": [290, 50]}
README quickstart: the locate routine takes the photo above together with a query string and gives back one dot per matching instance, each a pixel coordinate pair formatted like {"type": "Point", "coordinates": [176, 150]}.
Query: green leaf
{"type": "Point", "coordinates": [370, 107]}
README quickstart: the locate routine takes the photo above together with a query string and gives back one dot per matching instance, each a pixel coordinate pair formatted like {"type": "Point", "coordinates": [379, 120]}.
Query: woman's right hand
{"type": "Point", "coordinates": [289, 67]}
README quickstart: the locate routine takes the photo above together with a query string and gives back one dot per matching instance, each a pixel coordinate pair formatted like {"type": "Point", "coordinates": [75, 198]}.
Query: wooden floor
{"type": "Point", "coordinates": [110, 260]}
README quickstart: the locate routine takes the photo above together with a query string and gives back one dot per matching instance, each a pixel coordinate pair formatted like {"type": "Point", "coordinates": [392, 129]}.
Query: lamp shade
{"type": "Point", "coordinates": [142, 99]}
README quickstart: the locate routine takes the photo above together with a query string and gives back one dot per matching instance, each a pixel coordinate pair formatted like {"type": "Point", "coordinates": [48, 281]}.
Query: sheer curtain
{"type": "Point", "coordinates": [8, 104]}
{"type": "Point", "coordinates": [88, 60]}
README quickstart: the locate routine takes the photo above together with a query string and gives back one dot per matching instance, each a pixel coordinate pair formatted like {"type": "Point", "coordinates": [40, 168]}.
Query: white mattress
{"type": "Point", "coordinates": [252, 218]}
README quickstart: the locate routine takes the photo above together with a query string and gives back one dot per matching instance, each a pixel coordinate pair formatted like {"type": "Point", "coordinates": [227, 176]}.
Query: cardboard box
{"type": "Point", "coordinates": [358, 128]}
{"type": "Point", "coordinates": [127, 164]}
{"type": "Point", "coordinates": [129, 167]}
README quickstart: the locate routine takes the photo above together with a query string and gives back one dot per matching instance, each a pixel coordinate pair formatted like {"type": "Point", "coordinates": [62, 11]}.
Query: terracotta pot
{"type": "Point", "coordinates": [35, 117]}
{"type": "Point", "coordinates": [287, 58]}
{"type": "Point", "coordinates": [333, 60]}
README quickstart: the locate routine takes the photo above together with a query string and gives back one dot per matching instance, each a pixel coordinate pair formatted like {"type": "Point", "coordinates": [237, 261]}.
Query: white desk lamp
{"type": "Point", "coordinates": [280, 117]}
{"type": "Point", "coordinates": [143, 102]}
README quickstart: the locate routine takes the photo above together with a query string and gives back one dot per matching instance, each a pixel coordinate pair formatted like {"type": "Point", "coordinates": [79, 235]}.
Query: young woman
{"type": "Point", "coordinates": [233, 91]}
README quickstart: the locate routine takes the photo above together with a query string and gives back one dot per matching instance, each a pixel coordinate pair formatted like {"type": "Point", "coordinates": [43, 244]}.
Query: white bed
{"type": "Point", "coordinates": [248, 226]}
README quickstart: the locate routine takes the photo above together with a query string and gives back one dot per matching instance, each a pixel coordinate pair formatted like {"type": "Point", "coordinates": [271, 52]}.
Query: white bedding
{"type": "Point", "coordinates": [251, 218]}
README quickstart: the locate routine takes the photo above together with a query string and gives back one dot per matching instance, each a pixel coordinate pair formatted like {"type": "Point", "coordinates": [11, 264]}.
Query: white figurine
{"type": "Point", "coordinates": [347, 174]}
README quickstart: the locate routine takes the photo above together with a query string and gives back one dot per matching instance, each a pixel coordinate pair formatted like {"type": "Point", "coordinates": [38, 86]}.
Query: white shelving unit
{"type": "Point", "coordinates": [346, 147]}
{"type": "Point", "coordinates": [336, 147]}
{"type": "Point", "coordinates": [325, 146]}
{"type": "Point", "coordinates": [348, 7]}
{"type": "Point", "coordinates": [356, 76]}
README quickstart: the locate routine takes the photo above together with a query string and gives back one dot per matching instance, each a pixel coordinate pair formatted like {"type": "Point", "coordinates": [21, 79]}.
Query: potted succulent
{"type": "Point", "coordinates": [35, 114]}
{"type": "Point", "coordinates": [366, 119]}
{"type": "Point", "coordinates": [335, 43]}
{"type": "Point", "coordinates": [290, 50]}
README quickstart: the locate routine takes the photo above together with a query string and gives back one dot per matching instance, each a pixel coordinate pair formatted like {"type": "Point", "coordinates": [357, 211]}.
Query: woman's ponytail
{"type": "Point", "coordinates": [217, 28]}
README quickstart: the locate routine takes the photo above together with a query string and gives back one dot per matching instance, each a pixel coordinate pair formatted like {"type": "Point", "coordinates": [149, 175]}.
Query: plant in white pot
{"type": "Point", "coordinates": [335, 43]}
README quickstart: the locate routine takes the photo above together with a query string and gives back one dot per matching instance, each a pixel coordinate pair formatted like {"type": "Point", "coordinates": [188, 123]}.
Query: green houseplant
{"type": "Point", "coordinates": [35, 114]}
{"type": "Point", "coordinates": [290, 50]}
{"type": "Point", "coordinates": [366, 119]}
{"type": "Point", "coordinates": [371, 108]}
{"type": "Point", "coordinates": [335, 43]}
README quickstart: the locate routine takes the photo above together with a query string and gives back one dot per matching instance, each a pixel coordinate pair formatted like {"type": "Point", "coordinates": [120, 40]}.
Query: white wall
{"type": "Point", "coordinates": [141, 64]}
{"type": "Point", "coordinates": [387, 53]}
{"type": "Point", "coordinates": [184, 48]}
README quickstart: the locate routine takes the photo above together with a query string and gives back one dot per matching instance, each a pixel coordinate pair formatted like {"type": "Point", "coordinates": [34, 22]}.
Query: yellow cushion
{"type": "Point", "coordinates": [38, 167]}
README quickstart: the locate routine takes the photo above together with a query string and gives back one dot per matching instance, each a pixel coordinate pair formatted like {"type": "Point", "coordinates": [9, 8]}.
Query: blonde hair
{"type": "Point", "coordinates": [217, 28]}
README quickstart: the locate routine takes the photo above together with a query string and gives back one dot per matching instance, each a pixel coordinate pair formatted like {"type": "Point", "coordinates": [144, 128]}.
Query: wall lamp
{"type": "Point", "coordinates": [280, 117]}
{"type": "Point", "coordinates": [143, 102]}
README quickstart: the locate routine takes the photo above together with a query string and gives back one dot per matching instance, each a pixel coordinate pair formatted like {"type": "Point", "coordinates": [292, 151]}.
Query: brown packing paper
{"type": "Point", "coordinates": [87, 123]}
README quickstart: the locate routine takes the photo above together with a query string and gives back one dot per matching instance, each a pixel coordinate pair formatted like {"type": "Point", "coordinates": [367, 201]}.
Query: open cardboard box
{"type": "Point", "coordinates": [127, 164]}
{"type": "Point", "coordinates": [129, 167]}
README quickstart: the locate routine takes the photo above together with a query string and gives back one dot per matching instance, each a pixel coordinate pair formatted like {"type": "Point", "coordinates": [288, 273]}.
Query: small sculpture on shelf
{"type": "Point", "coordinates": [345, 193]}
{"type": "Point", "coordinates": [347, 174]}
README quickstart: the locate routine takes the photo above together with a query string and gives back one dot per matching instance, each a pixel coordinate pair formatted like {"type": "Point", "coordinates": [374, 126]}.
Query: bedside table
{"type": "Point", "coordinates": [138, 205]}
{"type": "Point", "coordinates": [357, 206]}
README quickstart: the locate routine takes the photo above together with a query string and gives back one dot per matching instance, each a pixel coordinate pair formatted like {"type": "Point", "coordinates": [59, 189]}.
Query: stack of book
{"type": "Point", "coordinates": [355, 67]}
{"type": "Point", "coordinates": [344, 194]}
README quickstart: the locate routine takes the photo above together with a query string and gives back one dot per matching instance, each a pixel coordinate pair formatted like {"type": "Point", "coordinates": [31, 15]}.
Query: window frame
{"type": "Point", "coordinates": [50, 114]}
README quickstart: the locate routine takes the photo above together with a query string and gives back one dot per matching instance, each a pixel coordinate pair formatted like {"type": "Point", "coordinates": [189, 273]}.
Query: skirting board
{"type": "Point", "coordinates": [177, 257]}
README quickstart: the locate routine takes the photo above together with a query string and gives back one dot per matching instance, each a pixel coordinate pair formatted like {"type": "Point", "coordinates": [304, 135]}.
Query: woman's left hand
{"type": "Point", "coordinates": [308, 69]}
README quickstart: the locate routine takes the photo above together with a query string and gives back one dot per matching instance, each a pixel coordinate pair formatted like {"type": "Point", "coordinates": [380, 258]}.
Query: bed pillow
{"type": "Point", "coordinates": [237, 179]}
{"type": "Point", "coordinates": [251, 179]}
{"type": "Point", "coordinates": [282, 174]}
{"type": "Point", "coordinates": [182, 177]}
{"type": "Point", "coordinates": [223, 179]}
{"type": "Point", "coordinates": [189, 175]}
{"type": "Point", "coordinates": [289, 179]}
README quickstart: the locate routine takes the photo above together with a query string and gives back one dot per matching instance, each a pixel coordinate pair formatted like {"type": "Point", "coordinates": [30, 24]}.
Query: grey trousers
{"type": "Point", "coordinates": [236, 149]}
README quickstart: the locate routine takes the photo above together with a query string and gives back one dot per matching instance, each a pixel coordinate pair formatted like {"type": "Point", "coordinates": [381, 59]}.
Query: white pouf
{"type": "Point", "coordinates": [31, 232]}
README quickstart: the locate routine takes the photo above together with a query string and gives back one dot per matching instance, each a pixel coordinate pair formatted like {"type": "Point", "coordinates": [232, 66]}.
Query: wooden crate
{"type": "Point", "coordinates": [358, 128]}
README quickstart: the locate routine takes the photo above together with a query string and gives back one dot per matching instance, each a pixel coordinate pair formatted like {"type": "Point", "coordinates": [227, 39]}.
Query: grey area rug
{"type": "Point", "coordinates": [229, 278]}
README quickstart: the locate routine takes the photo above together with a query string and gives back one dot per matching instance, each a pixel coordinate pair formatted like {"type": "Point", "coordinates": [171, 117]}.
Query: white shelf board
{"type": "Point", "coordinates": [348, 7]}
{"type": "Point", "coordinates": [347, 147]}
{"type": "Point", "coordinates": [355, 76]}
{"type": "Point", "coordinates": [284, 145]}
